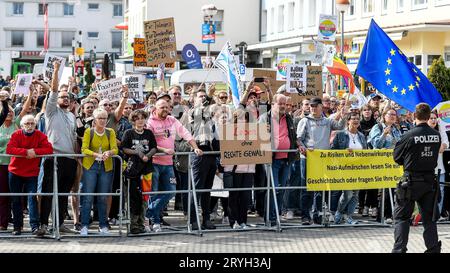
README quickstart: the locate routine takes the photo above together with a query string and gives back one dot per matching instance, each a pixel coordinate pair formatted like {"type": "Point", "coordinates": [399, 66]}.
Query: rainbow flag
{"type": "Point", "coordinates": [341, 69]}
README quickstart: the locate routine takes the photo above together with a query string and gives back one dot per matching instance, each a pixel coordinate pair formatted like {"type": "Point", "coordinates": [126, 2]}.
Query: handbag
{"type": "Point", "coordinates": [228, 178]}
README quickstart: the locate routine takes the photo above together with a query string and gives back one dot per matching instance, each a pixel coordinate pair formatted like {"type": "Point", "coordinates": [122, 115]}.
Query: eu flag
{"type": "Point", "coordinates": [385, 66]}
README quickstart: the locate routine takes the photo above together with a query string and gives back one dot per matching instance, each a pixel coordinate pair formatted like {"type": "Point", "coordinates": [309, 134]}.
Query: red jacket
{"type": "Point", "coordinates": [19, 144]}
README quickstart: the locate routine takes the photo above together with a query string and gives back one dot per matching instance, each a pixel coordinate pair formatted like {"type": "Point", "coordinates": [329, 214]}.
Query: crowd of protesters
{"type": "Point", "coordinates": [57, 119]}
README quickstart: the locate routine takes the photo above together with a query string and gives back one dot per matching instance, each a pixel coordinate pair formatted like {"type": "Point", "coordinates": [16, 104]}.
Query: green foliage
{"type": "Point", "coordinates": [439, 75]}
{"type": "Point", "coordinates": [89, 78]}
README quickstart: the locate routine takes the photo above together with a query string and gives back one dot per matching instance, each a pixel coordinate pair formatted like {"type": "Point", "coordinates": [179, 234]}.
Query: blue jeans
{"type": "Point", "coordinates": [280, 170]}
{"type": "Point", "coordinates": [348, 202]}
{"type": "Point", "coordinates": [441, 179]}
{"type": "Point", "coordinates": [163, 179]}
{"type": "Point", "coordinates": [309, 199]}
{"type": "Point", "coordinates": [335, 196]}
{"type": "Point", "coordinates": [19, 184]}
{"type": "Point", "coordinates": [95, 180]}
{"type": "Point", "coordinates": [292, 197]}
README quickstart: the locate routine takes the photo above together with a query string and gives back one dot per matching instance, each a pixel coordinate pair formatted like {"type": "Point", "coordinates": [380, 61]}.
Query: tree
{"type": "Point", "coordinates": [89, 78]}
{"type": "Point", "coordinates": [439, 75]}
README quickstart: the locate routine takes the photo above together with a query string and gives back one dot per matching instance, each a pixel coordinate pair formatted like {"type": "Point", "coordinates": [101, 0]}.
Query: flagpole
{"type": "Point", "coordinates": [207, 74]}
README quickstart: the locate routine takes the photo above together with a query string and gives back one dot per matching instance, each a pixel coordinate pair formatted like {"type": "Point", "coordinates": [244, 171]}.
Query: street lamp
{"type": "Point", "coordinates": [208, 12]}
{"type": "Point", "coordinates": [342, 6]}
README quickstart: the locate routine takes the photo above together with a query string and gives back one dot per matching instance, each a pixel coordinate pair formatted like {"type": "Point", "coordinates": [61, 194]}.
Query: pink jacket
{"type": "Point", "coordinates": [165, 131]}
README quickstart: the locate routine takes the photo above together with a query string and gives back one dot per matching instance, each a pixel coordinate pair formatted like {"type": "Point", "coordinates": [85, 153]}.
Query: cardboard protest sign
{"type": "Point", "coordinates": [296, 78]}
{"type": "Point", "coordinates": [48, 66]}
{"type": "Point", "coordinates": [110, 89]}
{"type": "Point", "coordinates": [313, 83]}
{"type": "Point", "coordinates": [357, 170]}
{"type": "Point", "coordinates": [282, 61]}
{"type": "Point", "coordinates": [140, 55]}
{"type": "Point", "coordinates": [23, 84]}
{"type": "Point", "coordinates": [135, 85]}
{"type": "Point", "coordinates": [245, 143]}
{"type": "Point", "coordinates": [160, 43]}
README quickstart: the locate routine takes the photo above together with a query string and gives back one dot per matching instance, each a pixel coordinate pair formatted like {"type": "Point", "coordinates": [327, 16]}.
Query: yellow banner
{"type": "Point", "coordinates": [357, 170]}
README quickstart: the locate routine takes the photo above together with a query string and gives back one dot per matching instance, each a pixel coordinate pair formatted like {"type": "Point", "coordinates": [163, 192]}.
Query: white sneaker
{"type": "Point", "coordinates": [156, 227]}
{"type": "Point", "coordinates": [374, 212]}
{"type": "Point", "coordinates": [289, 215]}
{"type": "Point", "coordinates": [147, 225]}
{"type": "Point", "coordinates": [388, 221]}
{"type": "Point", "coordinates": [236, 226]}
{"type": "Point", "coordinates": [104, 231]}
{"type": "Point", "coordinates": [225, 220]}
{"type": "Point", "coordinates": [243, 226]}
{"type": "Point", "coordinates": [331, 218]}
{"type": "Point", "coordinates": [365, 211]}
{"type": "Point", "coordinates": [84, 231]}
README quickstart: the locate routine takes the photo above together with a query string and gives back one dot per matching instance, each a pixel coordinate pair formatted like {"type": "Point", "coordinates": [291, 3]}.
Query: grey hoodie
{"type": "Point", "coordinates": [60, 126]}
{"type": "Point", "coordinates": [315, 132]}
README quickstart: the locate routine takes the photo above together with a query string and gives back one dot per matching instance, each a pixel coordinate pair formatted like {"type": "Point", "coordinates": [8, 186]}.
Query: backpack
{"type": "Point", "coordinates": [91, 135]}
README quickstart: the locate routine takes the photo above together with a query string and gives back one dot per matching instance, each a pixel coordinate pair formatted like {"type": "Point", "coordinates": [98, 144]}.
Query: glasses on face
{"type": "Point", "coordinates": [202, 96]}
{"type": "Point", "coordinates": [90, 107]}
{"type": "Point", "coordinates": [63, 97]}
{"type": "Point", "coordinates": [176, 94]}
{"type": "Point", "coordinates": [223, 97]}
{"type": "Point", "coordinates": [29, 124]}
{"type": "Point", "coordinates": [106, 104]}
{"type": "Point", "coordinates": [128, 108]}
{"type": "Point", "coordinates": [102, 118]}
{"type": "Point", "coordinates": [391, 114]}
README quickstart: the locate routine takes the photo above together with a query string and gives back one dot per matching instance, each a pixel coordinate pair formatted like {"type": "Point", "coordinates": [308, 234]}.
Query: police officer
{"type": "Point", "coordinates": [417, 151]}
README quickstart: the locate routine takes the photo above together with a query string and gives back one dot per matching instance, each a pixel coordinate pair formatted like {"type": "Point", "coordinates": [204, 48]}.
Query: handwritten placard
{"type": "Point", "coordinates": [140, 56]}
{"type": "Point", "coordinates": [23, 84]}
{"type": "Point", "coordinates": [110, 89]}
{"type": "Point", "coordinates": [48, 66]}
{"type": "Point", "coordinates": [296, 78]}
{"type": "Point", "coordinates": [135, 85]}
{"type": "Point", "coordinates": [160, 43]}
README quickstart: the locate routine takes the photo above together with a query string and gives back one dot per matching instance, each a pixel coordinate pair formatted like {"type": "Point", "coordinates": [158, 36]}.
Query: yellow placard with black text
{"type": "Point", "coordinates": [356, 170]}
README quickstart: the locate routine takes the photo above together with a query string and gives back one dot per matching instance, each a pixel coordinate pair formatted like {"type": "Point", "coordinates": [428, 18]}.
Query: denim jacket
{"type": "Point", "coordinates": [378, 141]}
{"type": "Point", "coordinates": [342, 140]}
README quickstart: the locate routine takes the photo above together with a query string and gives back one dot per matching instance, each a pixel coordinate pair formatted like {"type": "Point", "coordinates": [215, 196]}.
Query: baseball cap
{"type": "Point", "coordinates": [374, 95]}
{"type": "Point", "coordinates": [282, 89]}
{"type": "Point", "coordinates": [257, 89]}
{"type": "Point", "coordinates": [315, 101]}
{"type": "Point", "coordinates": [161, 96]}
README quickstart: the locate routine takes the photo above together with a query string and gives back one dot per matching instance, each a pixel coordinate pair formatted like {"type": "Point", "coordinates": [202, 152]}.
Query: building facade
{"type": "Point", "coordinates": [236, 21]}
{"type": "Point", "coordinates": [22, 29]}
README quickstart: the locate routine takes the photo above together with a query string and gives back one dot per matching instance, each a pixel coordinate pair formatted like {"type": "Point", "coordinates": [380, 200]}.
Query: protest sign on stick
{"type": "Point", "coordinates": [23, 84]}
{"type": "Point", "coordinates": [110, 89]}
{"type": "Point", "coordinates": [48, 66]}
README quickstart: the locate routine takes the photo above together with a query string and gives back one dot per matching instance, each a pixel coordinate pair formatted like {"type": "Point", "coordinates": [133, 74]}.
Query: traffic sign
{"type": "Point", "coordinates": [242, 69]}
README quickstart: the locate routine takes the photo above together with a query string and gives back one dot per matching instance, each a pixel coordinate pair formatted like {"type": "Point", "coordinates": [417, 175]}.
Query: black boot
{"type": "Point", "coordinates": [435, 249]}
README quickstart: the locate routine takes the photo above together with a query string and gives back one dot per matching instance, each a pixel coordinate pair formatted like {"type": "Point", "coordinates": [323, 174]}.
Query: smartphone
{"type": "Point", "coordinates": [258, 80]}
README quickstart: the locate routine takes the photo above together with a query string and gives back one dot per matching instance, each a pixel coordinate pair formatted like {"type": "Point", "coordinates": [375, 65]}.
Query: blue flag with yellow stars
{"type": "Point", "coordinates": [385, 66]}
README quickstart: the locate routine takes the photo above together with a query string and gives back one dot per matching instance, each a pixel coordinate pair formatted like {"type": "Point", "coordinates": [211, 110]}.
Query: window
{"type": "Point", "coordinates": [368, 7]}
{"type": "Point", "coordinates": [68, 9]}
{"type": "Point", "coordinates": [66, 38]}
{"type": "Point", "coordinates": [272, 20]}
{"type": "Point", "coordinates": [117, 10]}
{"type": "Point", "coordinates": [384, 7]}
{"type": "Point", "coordinates": [312, 13]}
{"type": "Point", "coordinates": [300, 16]}
{"type": "Point", "coordinates": [40, 38]}
{"type": "Point", "coordinates": [264, 23]}
{"type": "Point", "coordinates": [17, 38]}
{"type": "Point", "coordinates": [218, 21]}
{"type": "Point", "coordinates": [419, 4]}
{"type": "Point", "coordinates": [93, 6]}
{"type": "Point", "coordinates": [441, 2]}
{"type": "Point", "coordinates": [17, 8]}
{"type": "Point", "coordinates": [400, 5]}
{"type": "Point", "coordinates": [291, 12]}
{"type": "Point", "coordinates": [418, 60]}
{"type": "Point", "coordinates": [280, 18]}
{"type": "Point", "coordinates": [431, 58]}
{"type": "Point", "coordinates": [411, 59]}
{"type": "Point", "coordinates": [92, 35]}
{"type": "Point", "coordinates": [116, 39]}
{"type": "Point", "coordinates": [447, 54]}
{"type": "Point", "coordinates": [42, 9]}
{"type": "Point", "coordinates": [351, 8]}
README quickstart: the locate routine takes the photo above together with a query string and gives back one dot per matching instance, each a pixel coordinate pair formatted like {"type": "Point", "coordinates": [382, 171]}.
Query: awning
{"type": "Point", "coordinates": [395, 36]}
{"type": "Point", "coordinates": [122, 26]}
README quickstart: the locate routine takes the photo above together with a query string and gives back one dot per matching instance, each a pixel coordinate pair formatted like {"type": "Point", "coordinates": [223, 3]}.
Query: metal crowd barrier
{"type": "Point", "coordinates": [192, 196]}
{"type": "Point", "coordinates": [55, 206]}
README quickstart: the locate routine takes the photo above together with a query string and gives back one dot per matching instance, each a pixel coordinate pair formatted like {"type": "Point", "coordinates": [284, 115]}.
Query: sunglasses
{"type": "Point", "coordinates": [63, 97]}
{"type": "Point", "coordinates": [177, 94]}
{"type": "Point", "coordinates": [223, 97]}
{"type": "Point", "coordinates": [104, 105]}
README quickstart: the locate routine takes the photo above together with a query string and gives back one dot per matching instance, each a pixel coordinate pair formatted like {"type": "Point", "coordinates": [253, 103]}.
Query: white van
{"type": "Point", "coordinates": [189, 78]}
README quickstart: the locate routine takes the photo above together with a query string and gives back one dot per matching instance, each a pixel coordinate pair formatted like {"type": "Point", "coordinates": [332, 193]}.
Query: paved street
{"type": "Point", "coordinates": [311, 240]}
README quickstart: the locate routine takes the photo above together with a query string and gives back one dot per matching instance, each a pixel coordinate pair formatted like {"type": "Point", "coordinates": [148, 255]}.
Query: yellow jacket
{"type": "Point", "coordinates": [94, 145]}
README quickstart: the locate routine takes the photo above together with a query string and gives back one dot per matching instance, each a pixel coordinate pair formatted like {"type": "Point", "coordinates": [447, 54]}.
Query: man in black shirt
{"type": "Point", "coordinates": [417, 151]}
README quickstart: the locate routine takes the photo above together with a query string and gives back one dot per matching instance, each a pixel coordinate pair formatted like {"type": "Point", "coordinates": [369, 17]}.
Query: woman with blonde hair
{"type": "Point", "coordinates": [99, 144]}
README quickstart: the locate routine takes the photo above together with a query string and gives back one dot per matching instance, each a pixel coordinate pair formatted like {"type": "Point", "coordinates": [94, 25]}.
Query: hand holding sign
{"type": "Point", "coordinates": [124, 91]}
